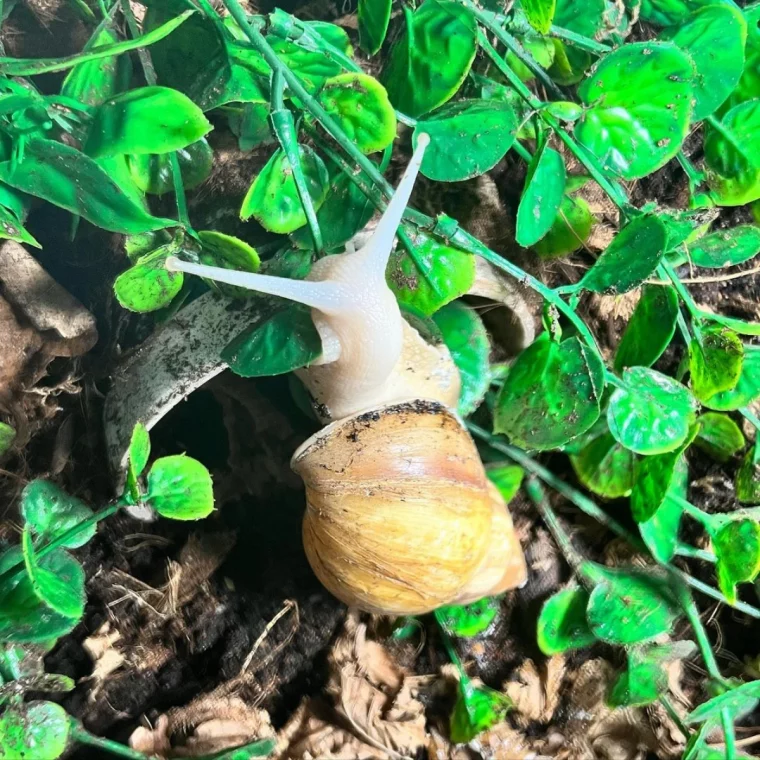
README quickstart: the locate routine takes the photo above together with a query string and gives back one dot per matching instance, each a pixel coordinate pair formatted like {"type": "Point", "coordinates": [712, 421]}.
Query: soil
{"type": "Point", "coordinates": [190, 603]}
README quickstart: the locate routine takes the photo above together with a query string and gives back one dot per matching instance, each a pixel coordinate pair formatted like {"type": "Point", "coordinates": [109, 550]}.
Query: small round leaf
{"type": "Point", "coordinates": [50, 512]}
{"type": "Point", "coordinates": [179, 487]}
{"type": "Point", "coordinates": [562, 624]}
{"type": "Point", "coordinates": [33, 731]}
{"type": "Point", "coordinates": [542, 196]}
{"type": "Point", "coordinates": [715, 361]}
{"type": "Point", "coordinates": [570, 230]}
{"type": "Point", "coordinates": [507, 478]}
{"type": "Point", "coordinates": [468, 620]}
{"type": "Point", "coordinates": [719, 436]}
{"type": "Point", "coordinates": [726, 248]}
{"type": "Point", "coordinates": [152, 173]}
{"type": "Point", "coordinates": [603, 465]}
{"type": "Point", "coordinates": [737, 550]}
{"type": "Point", "coordinates": [746, 390]}
{"type": "Point", "coordinates": [148, 285]}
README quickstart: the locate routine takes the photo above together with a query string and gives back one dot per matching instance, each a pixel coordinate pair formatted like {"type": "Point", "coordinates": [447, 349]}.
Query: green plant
{"type": "Point", "coordinates": [42, 593]}
{"type": "Point", "coordinates": [625, 426]}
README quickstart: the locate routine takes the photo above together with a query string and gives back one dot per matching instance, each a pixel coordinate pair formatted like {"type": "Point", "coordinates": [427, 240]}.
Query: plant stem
{"type": "Point", "coordinates": [703, 588]}
{"type": "Point", "coordinates": [729, 734]}
{"type": "Point", "coordinates": [83, 736]}
{"type": "Point", "coordinates": [284, 129]}
{"type": "Point", "coordinates": [695, 177]}
{"type": "Point", "coordinates": [684, 550]}
{"type": "Point", "coordinates": [579, 41]}
{"type": "Point", "coordinates": [674, 716]}
{"type": "Point", "coordinates": [179, 191]}
{"type": "Point", "coordinates": [521, 151]}
{"type": "Point", "coordinates": [693, 511]}
{"type": "Point", "coordinates": [703, 641]}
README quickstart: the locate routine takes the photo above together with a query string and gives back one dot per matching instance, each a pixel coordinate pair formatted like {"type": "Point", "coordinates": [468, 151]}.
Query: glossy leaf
{"type": "Point", "coordinates": [145, 121]}
{"type": "Point", "coordinates": [719, 436]}
{"type": "Point", "coordinates": [57, 579]}
{"type": "Point", "coordinates": [20, 67]}
{"type": "Point", "coordinates": [24, 618]}
{"type": "Point", "coordinates": [360, 105]}
{"type": "Point", "coordinates": [344, 213]}
{"type": "Point", "coordinates": [68, 178]}
{"type": "Point", "coordinates": [227, 252]}
{"type": "Point", "coordinates": [33, 731]}
{"type": "Point", "coordinates": [714, 38]}
{"type": "Point", "coordinates": [312, 67]}
{"type": "Point", "coordinates": [651, 413]}
{"type": "Point", "coordinates": [273, 197]}
{"type": "Point", "coordinates": [629, 607]}
{"type": "Point", "coordinates": [737, 550]}
{"type": "Point", "coordinates": [541, 197]}
{"type": "Point", "coordinates": [539, 13]}
{"type": "Point", "coordinates": [49, 512]}
{"type": "Point", "coordinates": [715, 361]}
{"type": "Point", "coordinates": [373, 17]}
{"type": "Point", "coordinates": [629, 259]}
{"type": "Point", "coordinates": [153, 173]}
{"type": "Point", "coordinates": [11, 229]}
{"type": "Point", "coordinates": [431, 58]}
{"type": "Point", "coordinates": [285, 341]}
{"type": "Point", "coordinates": [551, 394]}
{"type": "Point", "coordinates": [726, 248]}
{"type": "Point", "coordinates": [641, 684]}
{"type": "Point", "coordinates": [602, 464]}
{"type": "Point", "coordinates": [570, 230]}
{"type": "Point", "coordinates": [562, 624]}
{"type": "Point", "coordinates": [148, 285]}
{"type": "Point", "coordinates": [466, 338]}
{"type": "Point", "coordinates": [468, 620]}
{"type": "Point", "coordinates": [94, 82]}
{"type": "Point", "coordinates": [650, 328]}
{"type": "Point", "coordinates": [139, 449]}
{"type": "Point", "coordinates": [667, 12]}
{"type": "Point", "coordinates": [477, 709]}
{"type": "Point", "coordinates": [584, 17]}
{"type": "Point", "coordinates": [731, 155]}
{"type": "Point", "coordinates": [749, 84]}
{"type": "Point", "coordinates": [467, 138]}
{"type": "Point", "coordinates": [747, 389]}
{"type": "Point", "coordinates": [507, 478]}
{"type": "Point", "coordinates": [431, 275]}
{"type": "Point", "coordinates": [194, 60]}
{"type": "Point", "coordinates": [640, 104]}
{"type": "Point", "coordinates": [748, 479]}
{"type": "Point", "coordinates": [7, 437]}
{"type": "Point", "coordinates": [660, 531]}
{"type": "Point", "coordinates": [738, 702]}
{"type": "Point", "coordinates": [180, 488]}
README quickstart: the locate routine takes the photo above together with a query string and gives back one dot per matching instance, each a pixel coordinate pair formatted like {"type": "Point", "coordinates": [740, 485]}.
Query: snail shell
{"type": "Point", "coordinates": [400, 516]}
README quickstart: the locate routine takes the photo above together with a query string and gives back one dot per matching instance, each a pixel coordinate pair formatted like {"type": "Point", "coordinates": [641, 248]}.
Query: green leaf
{"type": "Point", "coordinates": [373, 17]}
{"type": "Point", "coordinates": [668, 12]}
{"type": "Point", "coordinates": [737, 550]}
{"type": "Point", "coordinates": [726, 248]}
{"type": "Point", "coordinates": [431, 274]}
{"type": "Point", "coordinates": [630, 258]}
{"type": "Point", "coordinates": [194, 60]}
{"type": "Point", "coordinates": [345, 211]}
{"type": "Point", "coordinates": [730, 154]}
{"type": "Point", "coordinates": [67, 178]}
{"type": "Point", "coordinates": [570, 230]}
{"type": "Point", "coordinates": [719, 436]}
{"type": "Point", "coordinates": [477, 709]}
{"type": "Point", "coordinates": [507, 478]}
{"type": "Point", "coordinates": [715, 361]}
{"type": "Point", "coordinates": [584, 17]}
{"type": "Point", "coordinates": [20, 67]}
{"type": "Point", "coordinates": [312, 67]}
{"type": "Point", "coordinates": [747, 389]}
{"type": "Point", "coordinates": [650, 329]}
{"type": "Point", "coordinates": [431, 58]}
{"type": "Point", "coordinates": [466, 338]}
{"type": "Point", "coordinates": [359, 103]}
{"type": "Point", "coordinates": [539, 13]}
{"type": "Point", "coordinates": [714, 38]}
{"type": "Point", "coordinates": [467, 138]}
{"type": "Point", "coordinates": [153, 173]}
{"type": "Point", "coordinates": [468, 620]}
{"type": "Point", "coordinates": [660, 532]}
{"type": "Point", "coordinates": [285, 341]}
{"type": "Point", "coordinates": [50, 512]}
{"type": "Point", "coordinates": [57, 579]}
{"type": "Point", "coordinates": [542, 197]}
{"type": "Point", "coordinates": [641, 684]}
{"type": "Point", "coordinates": [273, 198]}
{"type": "Point", "coordinates": [651, 413]}
{"type": "Point", "coordinates": [11, 229]}
{"type": "Point", "coordinates": [145, 121]}
{"type": "Point", "coordinates": [749, 84]}
{"type": "Point", "coordinates": [228, 252]}
{"type": "Point", "coordinates": [640, 103]}
{"type": "Point", "coordinates": [748, 479]}
{"type": "Point", "coordinates": [94, 82]}
{"type": "Point", "coordinates": [23, 617]}
{"type": "Point", "coordinates": [34, 730]}
{"type": "Point", "coordinates": [629, 607]}
{"type": "Point", "coordinates": [148, 285]}
{"type": "Point", "coordinates": [139, 449]}
{"type": "Point", "coordinates": [562, 624]}
{"type": "Point", "coordinates": [653, 479]}
{"type": "Point", "coordinates": [737, 702]}
{"type": "Point", "coordinates": [551, 394]}
{"type": "Point", "coordinates": [180, 488]}
{"type": "Point", "coordinates": [7, 437]}
{"type": "Point", "coordinates": [602, 464]}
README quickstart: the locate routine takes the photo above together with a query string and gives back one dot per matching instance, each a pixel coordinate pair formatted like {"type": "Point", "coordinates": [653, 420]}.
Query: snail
{"type": "Point", "coordinates": [401, 517]}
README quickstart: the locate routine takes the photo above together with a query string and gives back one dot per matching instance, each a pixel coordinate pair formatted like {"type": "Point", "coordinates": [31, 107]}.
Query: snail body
{"type": "Point", "coordinates": [400, 515]}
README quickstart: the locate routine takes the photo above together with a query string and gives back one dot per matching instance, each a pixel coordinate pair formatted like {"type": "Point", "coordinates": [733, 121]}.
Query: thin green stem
{"type": "Point", "coordinates": [179, 191]}
{"type": "Point", "coordinates": [729, 734]}
{"type": "Point", "coordinates": [521, 151]}
{"type": "Point", "coordinates": [579, 41]}
{"type": "Point", "coordinates": [83, 736]}
{"type": "Point", "coordinates": [142, 53]}
{"type": "Point", "coordinates": [674, 716]}
{"type": "Point", "coordinates": [695, 176]}
{"type": "Point", "coordinates": [703, 641]}
{"type": "Point", "coordinates": [684, 550]}
{"type": "Point", "coordinates": [703, 588]}
{"type": "Point", "coordinates": [693, 511]}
